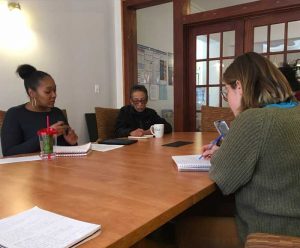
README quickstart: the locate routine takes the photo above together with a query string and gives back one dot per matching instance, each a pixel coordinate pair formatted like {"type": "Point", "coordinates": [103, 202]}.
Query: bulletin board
{"type": "Point", "coordinates": [155, 68]}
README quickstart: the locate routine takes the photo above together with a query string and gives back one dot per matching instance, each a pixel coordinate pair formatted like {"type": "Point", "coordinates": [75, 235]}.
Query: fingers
{"type": "Point", "coordinates": [205, 148]}
{"type": "Point", "coordinates": [208, 151]}
{"type": "Point", "coordinates": [137, 132]}
{"type": "Point", "coordinates": [71, 137]}
{"type": "Point", "coordinates": [59, 127]}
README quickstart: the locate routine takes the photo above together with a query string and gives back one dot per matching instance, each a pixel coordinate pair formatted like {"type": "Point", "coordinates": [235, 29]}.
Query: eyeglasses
{"type": "Point", "coordinates": [137, 101]}
{"type": "Point", "coordinates": [224, 94]}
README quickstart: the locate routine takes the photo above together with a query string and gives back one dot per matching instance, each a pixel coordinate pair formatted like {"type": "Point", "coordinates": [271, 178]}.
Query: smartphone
{"type": "Point", "coordinates": [222, 127]}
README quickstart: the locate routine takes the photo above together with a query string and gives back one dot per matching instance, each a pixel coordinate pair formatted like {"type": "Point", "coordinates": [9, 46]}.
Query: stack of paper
{"type": "Point", "coordinates": [36, 228]}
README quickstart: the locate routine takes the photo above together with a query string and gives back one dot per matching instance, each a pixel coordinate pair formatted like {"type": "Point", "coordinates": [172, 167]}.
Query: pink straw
{"type": "Point", "coordinates": [48, 124]}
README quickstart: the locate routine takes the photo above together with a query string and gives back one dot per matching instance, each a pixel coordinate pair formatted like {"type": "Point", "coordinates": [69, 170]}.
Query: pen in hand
{"type": "Point", "coordinates": [214, 142]}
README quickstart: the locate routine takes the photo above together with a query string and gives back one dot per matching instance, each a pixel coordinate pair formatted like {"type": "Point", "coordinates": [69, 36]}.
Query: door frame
{"type": "Point", "coordinates": [182, 22]}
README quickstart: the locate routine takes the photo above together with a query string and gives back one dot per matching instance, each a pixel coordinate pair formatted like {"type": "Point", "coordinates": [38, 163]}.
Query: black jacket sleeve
{"type": "Point", "coordinates": [12, 138]}
{"type": "Point", "coordinates": [122, 128]}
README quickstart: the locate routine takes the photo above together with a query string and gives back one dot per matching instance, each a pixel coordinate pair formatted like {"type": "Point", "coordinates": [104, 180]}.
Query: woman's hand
{"type": "Point", "coordinates": [60, 127]}
{"type": "Point", "coordinates": [208, 150]}
{"type": "Point", "coordinates": [137, 132]}
{"type": "Point", "coordinates": [70, 136]}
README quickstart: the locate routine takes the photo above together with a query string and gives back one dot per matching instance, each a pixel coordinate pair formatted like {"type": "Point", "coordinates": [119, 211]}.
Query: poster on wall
{"type": "Point", "coordinates": [153, 66]}
{"type": "Point", "coordinates": [154, 92]}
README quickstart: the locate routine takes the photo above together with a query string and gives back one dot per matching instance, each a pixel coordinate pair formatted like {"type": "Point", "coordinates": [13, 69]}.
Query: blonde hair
{"type": "Point", "coordinates": [262, 83]}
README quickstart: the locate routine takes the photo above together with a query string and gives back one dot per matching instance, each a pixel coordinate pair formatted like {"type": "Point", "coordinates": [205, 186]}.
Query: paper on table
{"type": "Point", "coordinates": [19, 159]}
{"type": "Point", "coordinates": [104, 148]}
{"type": "Point", "coordinates": [147, 136]}
{"type": "Point", "coordinates": [37, 228]}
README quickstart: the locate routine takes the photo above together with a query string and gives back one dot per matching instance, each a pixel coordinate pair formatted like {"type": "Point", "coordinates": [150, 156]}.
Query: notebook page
{"type": "Point", "coordinates": [191, 162]}
{"type": "Point", "coordinates": [37, 228]}
{"type": "Point", "coordinates": [104, 148]}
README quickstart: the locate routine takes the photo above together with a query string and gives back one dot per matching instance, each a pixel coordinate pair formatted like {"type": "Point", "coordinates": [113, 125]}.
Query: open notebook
{"type": "Point", "coordinates": [36, 228]}
{"type": "Point", "coordinates": [70, 151]}
{"type": "Point", "coordinates": [191, 163]}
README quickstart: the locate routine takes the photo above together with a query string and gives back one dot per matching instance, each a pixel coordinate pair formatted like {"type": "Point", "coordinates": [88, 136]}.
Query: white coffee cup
{"type": "Point", "coordinates": [157, 130]}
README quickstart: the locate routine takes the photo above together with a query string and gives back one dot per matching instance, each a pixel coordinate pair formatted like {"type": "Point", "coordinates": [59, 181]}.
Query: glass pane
{"type": "Point", "coordinates": [260, 39]}
{"type": "Point", "coordinates": [226, 63]}
{"type": "Point", "coordinates": [200, 97]}
{"type": "Point", "coordinates": [214, 72]}
{"type": "Point", "coordinates": [214, 96]}
{"type": "Point", "coordinates": [214, 45]}
{"type": "Point", "coordinates": [277, 38]}
{"type": "Point", "coordinates": [197, 6]}
{"type": "Point", "coordinates": [228, 43]}
{"type": "Point", "coordinates": [201, 73]}
{"type": "Point", "coordinates": [293, 35]}
{"type": "Point", "coordinates": [292, 57]}
{"type": "Point", "coordinates": [277, 59]}
{"type": "Point", "coordinates": [201, 47]}
{"type": "Point", "coordinates": [198, 121]}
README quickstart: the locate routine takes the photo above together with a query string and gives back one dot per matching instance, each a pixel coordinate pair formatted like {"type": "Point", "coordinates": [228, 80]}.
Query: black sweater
{"type": "Point", "coordinates": [20, 126]}
{"type": "Point", "coordinates": [129, 119]}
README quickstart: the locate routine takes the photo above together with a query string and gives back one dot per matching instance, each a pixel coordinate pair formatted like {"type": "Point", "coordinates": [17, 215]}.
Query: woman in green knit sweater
{"type": "Point", "coordinates": [258, 160]}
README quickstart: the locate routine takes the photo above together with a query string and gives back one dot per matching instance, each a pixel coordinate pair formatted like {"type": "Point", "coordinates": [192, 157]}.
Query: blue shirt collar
{"type": "Point", "coordinates": [282, 105]}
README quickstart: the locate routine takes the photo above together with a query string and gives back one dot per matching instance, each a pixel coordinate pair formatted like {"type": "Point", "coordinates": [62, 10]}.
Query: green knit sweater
{"type": "Point", "coordinates": [259, 161]}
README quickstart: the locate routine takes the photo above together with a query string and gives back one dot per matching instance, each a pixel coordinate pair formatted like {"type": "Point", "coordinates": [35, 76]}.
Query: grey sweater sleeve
{"type": "Point", "coordinates": [234, 163]}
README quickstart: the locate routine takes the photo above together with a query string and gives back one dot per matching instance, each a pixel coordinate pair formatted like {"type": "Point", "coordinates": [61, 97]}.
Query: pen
{"type": "Point", "coordinates": [214, 142]}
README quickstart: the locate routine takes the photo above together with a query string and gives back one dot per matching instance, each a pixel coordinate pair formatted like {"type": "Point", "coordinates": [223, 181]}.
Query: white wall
{"type": "Point", "coordinates": [155, 30]}
{"type": "Point", "coordinates": [75, 43]}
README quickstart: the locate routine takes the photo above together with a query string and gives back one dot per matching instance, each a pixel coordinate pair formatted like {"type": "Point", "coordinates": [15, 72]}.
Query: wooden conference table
{"type": "Point", "coordinates": [130, 191]}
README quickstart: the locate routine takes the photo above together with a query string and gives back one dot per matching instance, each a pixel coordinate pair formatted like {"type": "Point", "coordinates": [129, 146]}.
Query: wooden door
{"type": "Point", "coordinates": [275, 36]}
{"type": "Point", "coordinates": [211, 49]}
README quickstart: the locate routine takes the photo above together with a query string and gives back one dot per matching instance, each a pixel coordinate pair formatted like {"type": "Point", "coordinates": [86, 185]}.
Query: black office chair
{"type": "Point", "coordinates": [91, 123]}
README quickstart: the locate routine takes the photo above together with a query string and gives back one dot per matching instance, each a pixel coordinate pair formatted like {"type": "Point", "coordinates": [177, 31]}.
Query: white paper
{"type": "Point", "coordinates": [147, 136]}
{"type": "Point", "coordinates": [191, 163]}
{"type": "Point", "coordinates": [19, 159]}
{"type": "Point", "coordinates": [104, 148]}
{"type": "Point", "coordinates": [36, 228]}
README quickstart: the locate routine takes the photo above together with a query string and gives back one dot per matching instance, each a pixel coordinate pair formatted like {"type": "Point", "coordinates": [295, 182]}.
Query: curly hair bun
{"type": "Point", "coordinates": [25, 71]}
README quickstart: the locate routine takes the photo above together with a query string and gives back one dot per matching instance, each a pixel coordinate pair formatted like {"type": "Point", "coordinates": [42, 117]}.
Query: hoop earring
{"type": "Point", "coordinates": [33, 102]}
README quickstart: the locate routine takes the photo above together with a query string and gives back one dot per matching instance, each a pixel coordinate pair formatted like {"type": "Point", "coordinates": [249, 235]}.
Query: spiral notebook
{"type": "Point", "coordinates": [191, 163]}
{"type": "Point", "coordinates": [72, 151]}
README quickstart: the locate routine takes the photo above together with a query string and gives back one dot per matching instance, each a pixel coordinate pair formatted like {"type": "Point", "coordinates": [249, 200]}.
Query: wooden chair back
{"type": "Point", "coordinates": [265, 240]}
{"type": "Point", "coordinates": [211, 114]}
{"type": "Point", "coordinates": [2, 114]}
{"type": "Point", "coordinates": [106, 122]}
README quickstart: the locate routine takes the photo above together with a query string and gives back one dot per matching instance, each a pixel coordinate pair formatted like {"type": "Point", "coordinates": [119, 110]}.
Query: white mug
{"type": "Point", "coordinates": [157, 130]}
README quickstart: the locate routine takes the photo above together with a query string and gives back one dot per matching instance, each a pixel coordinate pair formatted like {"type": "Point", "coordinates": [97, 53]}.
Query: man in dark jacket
{"type": "Point", "coordinates": [136, 119]}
